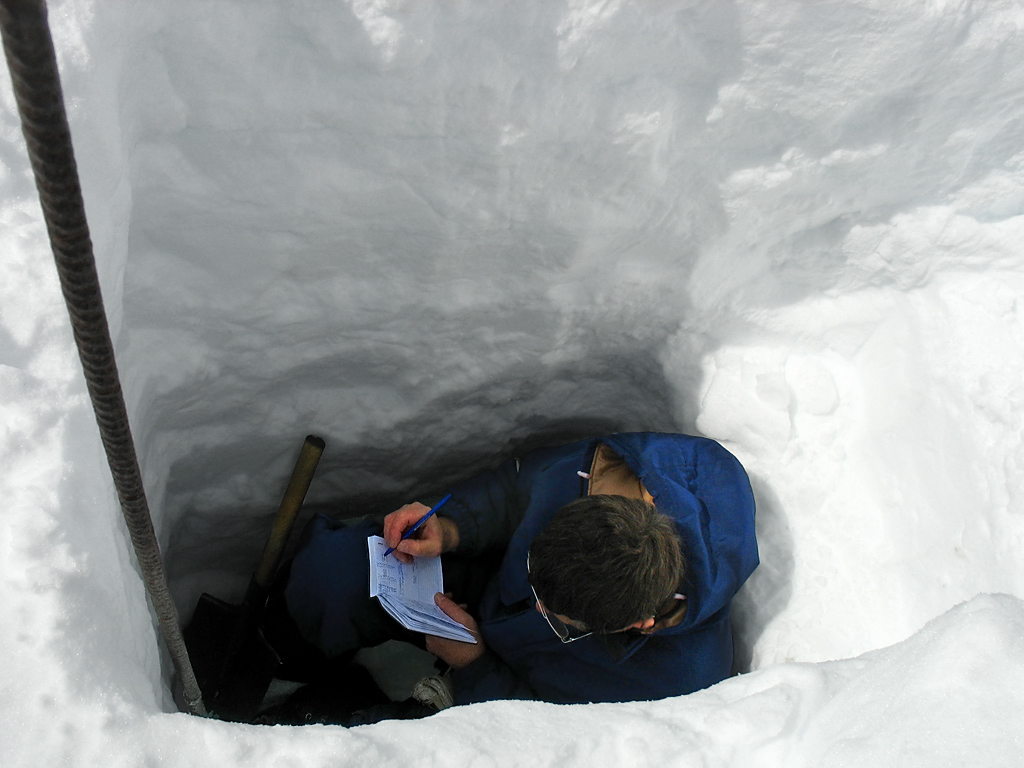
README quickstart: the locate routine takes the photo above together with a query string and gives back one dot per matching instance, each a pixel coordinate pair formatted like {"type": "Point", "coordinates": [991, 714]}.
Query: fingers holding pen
{"type": "Point", "coordinates": [428, 541]}
{"type": "Point", "coordinates": [415, 531]}
{"type": "Point", "coordinates": [402, 519]}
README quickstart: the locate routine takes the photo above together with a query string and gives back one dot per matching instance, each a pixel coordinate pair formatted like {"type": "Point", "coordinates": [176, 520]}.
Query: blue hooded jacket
{"type": "Point", "coordinates": [694, 481]}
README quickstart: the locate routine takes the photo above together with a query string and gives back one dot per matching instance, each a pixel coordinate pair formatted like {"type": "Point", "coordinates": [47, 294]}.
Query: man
{"type": "Point", "coordinates": [602, 570]}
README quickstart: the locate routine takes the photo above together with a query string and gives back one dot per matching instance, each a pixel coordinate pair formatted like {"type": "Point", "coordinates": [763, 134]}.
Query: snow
{"type": "Point", "coordinates": [433, 232]}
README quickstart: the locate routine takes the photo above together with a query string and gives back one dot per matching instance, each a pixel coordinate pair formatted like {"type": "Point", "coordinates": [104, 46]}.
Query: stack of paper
{"type": "Point", "coordinates": [407, 592]}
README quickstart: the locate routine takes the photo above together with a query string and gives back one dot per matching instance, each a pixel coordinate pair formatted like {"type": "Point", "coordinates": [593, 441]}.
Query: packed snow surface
{"type": "Point", "coordinates": [438, 233]}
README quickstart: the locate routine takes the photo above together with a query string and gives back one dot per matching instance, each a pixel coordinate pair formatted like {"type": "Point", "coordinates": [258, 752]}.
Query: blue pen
{"type": "Point", "coordinates": [420, 522]}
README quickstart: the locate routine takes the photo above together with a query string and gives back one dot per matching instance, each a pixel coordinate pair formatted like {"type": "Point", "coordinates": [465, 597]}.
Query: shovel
{"type": "Point", "coordinates": [233, 661]}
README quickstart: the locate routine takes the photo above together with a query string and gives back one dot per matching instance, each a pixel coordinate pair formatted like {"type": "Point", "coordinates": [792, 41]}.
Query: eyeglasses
{"type": "Point", "coordinates": [567, 632]}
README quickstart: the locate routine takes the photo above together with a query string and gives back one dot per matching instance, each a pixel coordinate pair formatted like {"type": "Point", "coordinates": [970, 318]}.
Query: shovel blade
{"type": "Point", "coordinates": [234, 664]}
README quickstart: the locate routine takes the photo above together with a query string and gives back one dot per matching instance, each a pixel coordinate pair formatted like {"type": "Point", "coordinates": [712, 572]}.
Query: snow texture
{"type": "Point", "coordinates": [436, 233]}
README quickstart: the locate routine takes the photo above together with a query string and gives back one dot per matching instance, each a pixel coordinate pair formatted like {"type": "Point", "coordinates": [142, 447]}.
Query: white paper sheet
{"type": "Point", "coordinates": [407, 592]}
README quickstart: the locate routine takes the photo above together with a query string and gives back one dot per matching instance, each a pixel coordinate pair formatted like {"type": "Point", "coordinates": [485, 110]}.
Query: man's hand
{"type": "Point", "coordinates": [438, 535]}
{"type": "Point", "coordinates": [452, 651]}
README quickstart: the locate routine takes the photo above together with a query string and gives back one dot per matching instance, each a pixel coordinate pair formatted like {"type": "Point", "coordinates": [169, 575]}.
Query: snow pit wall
{"type": "Point", "coordinates": [429, 233]}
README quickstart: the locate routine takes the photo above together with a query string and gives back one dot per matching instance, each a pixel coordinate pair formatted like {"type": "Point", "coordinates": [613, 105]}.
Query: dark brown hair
{"type": "Point", "coordinates": [606, 561]}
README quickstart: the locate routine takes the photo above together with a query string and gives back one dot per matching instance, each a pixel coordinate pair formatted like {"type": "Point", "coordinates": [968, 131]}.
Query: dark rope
{"type": "Point", "coordinates": [33, 65]}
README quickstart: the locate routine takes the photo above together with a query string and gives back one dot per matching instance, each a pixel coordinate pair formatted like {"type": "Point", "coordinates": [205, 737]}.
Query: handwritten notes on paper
{"type": "Point", "coordinates": [407, 592]}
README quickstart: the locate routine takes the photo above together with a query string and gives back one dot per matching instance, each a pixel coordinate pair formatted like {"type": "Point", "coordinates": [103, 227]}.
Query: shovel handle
{"type": "Point", "coordinates": [302, 476]}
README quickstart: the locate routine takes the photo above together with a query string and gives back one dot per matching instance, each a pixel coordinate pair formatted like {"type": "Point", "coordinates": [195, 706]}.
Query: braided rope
{"type": "Point", "coordinates": [33, 65]}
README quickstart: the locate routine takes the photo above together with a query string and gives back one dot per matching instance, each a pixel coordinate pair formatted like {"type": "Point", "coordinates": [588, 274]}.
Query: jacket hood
{"type": "Point", "coordinates": [694, 481]}
{"type": "Point", "coordinates": [706, 492]}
